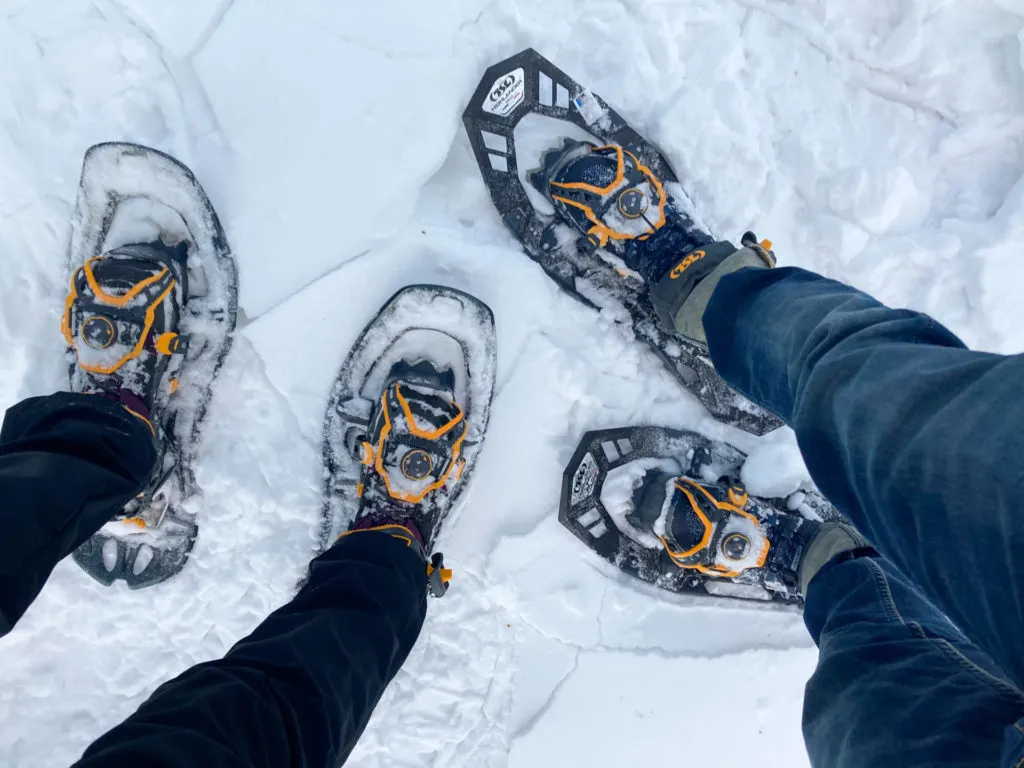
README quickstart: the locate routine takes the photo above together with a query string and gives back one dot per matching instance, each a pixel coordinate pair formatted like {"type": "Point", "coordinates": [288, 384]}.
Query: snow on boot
{"type": "Point", "coordinates": [713, 528]}
{"type": "Point", "coordinates": [619, 204]}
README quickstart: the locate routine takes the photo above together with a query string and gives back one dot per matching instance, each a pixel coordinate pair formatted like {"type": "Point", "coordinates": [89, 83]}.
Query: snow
{"type": "Point", "coordinates": [774, 467]}
{"type": "Point", "coordinates": [700, 692]}
{"type": "Point", "coordinates": [878, 143]}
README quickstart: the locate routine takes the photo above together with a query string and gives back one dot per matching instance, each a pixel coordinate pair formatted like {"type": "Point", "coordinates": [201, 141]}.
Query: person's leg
{"type": "Point", "coordinates": [897, 684]}
{"type": "Point", "coordinates": [911, 435]}
{"type": "Point", "coordinates": [300, 689]}
{"type": "Point", "coordinates": [68, 462]}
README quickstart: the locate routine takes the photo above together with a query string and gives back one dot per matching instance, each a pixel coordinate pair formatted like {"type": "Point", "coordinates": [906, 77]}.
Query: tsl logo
{"type": "Point", "coordinates": [686, 263]}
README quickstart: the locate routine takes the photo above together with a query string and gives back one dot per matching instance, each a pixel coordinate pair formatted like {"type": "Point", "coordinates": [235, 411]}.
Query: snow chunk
{"type": "Point", "coordinates": [775, 467]}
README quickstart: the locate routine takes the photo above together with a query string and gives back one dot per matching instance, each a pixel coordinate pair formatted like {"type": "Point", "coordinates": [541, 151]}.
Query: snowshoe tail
{"type": "Point", "coordinates": [664, 506]}
{"type": "Point", "coordinates": [527, 84]}
{"type": "Point", "coordinates": [132, 194]}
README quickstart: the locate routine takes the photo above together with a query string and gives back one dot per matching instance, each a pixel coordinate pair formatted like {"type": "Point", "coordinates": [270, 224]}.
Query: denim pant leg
{"type": "Point", "coordinates": [916, 439]}
{"type": "Point", "coordinates": [897, 684]}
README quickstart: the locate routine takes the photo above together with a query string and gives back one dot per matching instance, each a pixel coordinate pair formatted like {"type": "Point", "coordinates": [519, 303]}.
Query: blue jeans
{"type": "Point", "coordinates": [920, 442]}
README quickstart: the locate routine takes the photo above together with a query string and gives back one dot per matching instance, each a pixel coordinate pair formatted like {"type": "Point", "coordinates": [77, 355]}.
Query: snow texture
{"type": "Point", "coordinates": [877, 143]}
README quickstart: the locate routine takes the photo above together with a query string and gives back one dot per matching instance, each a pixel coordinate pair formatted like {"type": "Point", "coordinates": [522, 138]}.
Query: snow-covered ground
{"type": "Point", "coordinates": [877, 142]}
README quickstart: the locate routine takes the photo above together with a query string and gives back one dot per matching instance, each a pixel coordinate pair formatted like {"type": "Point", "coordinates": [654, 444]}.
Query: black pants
{"type": "Point", "coordinates": [298, 691]}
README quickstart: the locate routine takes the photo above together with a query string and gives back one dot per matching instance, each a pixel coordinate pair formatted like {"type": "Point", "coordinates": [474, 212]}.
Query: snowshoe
{"type": "Point", "coordinates": [666, 507]}
{"type": "Point", "coordinates": [618, 217]}
{"type": "Point", "coordinates": [148, 322]}
{"type": "Point", "coordinates": [407, 417]}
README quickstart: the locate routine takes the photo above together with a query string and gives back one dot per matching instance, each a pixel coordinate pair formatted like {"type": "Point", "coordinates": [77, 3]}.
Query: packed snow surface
{"type": "Point", "coordinates": [876, 142]}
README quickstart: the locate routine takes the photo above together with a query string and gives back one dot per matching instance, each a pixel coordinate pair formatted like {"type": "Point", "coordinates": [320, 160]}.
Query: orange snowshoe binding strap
{"type": "Point", "coordinates": [618, 204]}
{"type": "Point", "coordinates": [606, 192]}
{"type": "Point", "coordinates": [717, 530]}
{"type": "Point", "coordinates": [409, 454]}
{"type": "Point", "coordinates": [121, 320]}
{"type": "Point", "coordinates": [704, 527]}
{"type": "Point", "coordinates": [412, 457]}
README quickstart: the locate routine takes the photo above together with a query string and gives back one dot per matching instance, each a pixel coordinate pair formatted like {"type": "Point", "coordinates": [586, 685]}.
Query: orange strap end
{"type": "Point", "coordinates": [446, 573]}
{"type": "Point", "coordinates": [166, 343]}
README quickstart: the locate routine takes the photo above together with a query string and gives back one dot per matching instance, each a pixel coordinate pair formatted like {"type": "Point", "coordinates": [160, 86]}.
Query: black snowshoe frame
{"type": "Point", "coordinates": [414, 309]}
{"type": "Point", "coordinates": [527, 83]}
{"type": "Point", "coordinates": [112, 174]}
{"type": "Point", "coordinates": [583, 512]}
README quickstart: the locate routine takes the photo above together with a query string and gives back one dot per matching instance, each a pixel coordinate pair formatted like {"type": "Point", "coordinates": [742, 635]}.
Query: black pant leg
{"type": "Point", "coordinates": [68, 462]}
{"type": "Point", "coordinates": [301, 688]}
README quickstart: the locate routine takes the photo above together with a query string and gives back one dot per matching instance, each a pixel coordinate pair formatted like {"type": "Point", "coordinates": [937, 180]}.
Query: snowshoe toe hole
{"type": "Point", "coordinates": [110, 553]}
{"type": "Point", "coordinates": [143, 557]}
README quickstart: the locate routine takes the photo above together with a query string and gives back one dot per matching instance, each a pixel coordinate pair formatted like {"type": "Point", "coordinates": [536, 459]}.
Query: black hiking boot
{"type": "Point", "coordinates": [121, 326]}
{"type": "Point", "coordinates": [709, 528]}
{"type": "Point", "coordinates": [412, 456]}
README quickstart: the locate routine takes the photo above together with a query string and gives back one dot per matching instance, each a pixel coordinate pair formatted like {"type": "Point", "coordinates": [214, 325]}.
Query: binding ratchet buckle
{"type": "Point", "coordinates": [438, 577]}
{"type": "Point", "coordinates": [631, 206]}
{"type": "Point", "coordinates": [710, 531]}
{"type": "Point", "coordinates": [107, 330]}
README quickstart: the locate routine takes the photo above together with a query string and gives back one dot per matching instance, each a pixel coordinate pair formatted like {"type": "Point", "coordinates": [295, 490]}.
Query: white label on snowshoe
{"type": "Point", "coordinates": [584, 480]}
{"type": "Point", "coordinates": [506, 94]}
{"type": "Point", "coordinates": [588, 107]}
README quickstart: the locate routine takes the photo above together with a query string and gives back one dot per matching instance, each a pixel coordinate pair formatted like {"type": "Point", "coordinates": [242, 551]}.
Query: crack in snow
{"type": "Point", "coordinates": [176, 70]}
{"type": "Point", "coordinates": [326, 273]}
{"type": "Point", "coordinates": [211, 29]}
{"type": "Point", "coordinates": [529, 725]}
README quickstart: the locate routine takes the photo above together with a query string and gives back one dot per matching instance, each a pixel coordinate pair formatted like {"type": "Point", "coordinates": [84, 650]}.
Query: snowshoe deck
{"type": "Point", "coordinates": [525, 84]}
{"type": "Point", "coordinates": [593, 490]}
{"type": "Point", "coordinates": [131, 194]}
{"type": "Point", "coordinates": [449, 328]}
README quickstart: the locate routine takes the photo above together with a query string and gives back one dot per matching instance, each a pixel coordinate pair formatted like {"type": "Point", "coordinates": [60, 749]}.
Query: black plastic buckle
{"type": "Point", "coordinates": [436, 585]}
{"type": "Point", "coordinates": [181, 345]}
